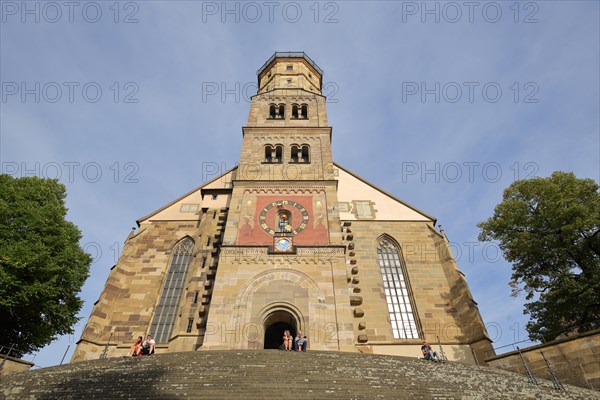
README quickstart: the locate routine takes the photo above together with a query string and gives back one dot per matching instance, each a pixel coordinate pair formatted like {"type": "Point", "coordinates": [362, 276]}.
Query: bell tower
{"type": "Point", "coordinates": [287, 136]}
{"type": "Point", "coordinates": [285, 180]}
{"type": "Point", "coordinates": [282, 255]}
{"type": "Point", "coordinates": [290, 70]}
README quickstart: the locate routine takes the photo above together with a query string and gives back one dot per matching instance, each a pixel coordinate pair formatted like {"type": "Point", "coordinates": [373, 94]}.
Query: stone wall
{"type": "Point", "coordinates": [131, 293]}
{"type": "Point", "coordinates": [444, 307]}
{"type": "Point", "coordinates": [13, 365]}
{"type": "Point", "coordinates": [253, 287]}
{"type": "Point", "coordinates": [576, 359]}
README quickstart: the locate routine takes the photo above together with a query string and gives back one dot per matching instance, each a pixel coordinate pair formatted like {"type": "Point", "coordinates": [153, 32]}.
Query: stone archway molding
{"type": "Point", "coordinates": [264, 278]}
{"type": "Point", "coordinates": [281, 306]}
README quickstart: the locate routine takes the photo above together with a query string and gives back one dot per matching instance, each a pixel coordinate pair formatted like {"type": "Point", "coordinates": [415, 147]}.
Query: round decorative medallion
{"type": "Point", "coordinates": [280, 222]}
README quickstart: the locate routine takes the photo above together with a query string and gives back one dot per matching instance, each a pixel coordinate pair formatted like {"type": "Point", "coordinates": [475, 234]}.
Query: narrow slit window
{"type": "Point", "coordinates": [190, 325]}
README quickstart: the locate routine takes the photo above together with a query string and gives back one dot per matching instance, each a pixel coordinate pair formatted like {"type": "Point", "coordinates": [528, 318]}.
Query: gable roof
{"type": "Point", "coordinates": [213, 184]}
{"type": "Point", "coordinates": [383, 192]}
{"type": "Point", "coordinates": [207, 185]}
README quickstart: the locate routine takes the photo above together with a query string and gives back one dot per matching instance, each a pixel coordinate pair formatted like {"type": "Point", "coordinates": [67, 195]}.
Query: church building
{"type": "Point", "coordinates": [287, 240]}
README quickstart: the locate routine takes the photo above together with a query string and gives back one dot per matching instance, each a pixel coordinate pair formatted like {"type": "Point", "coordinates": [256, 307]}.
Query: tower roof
{"type": "Point", "coordinates": [290, 54]}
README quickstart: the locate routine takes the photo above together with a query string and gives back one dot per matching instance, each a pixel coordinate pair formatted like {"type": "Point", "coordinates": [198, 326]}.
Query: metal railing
{"type": "Point", "coordinates": [290, 54]}
{"type": "Point", "coordinates": [5, 357]}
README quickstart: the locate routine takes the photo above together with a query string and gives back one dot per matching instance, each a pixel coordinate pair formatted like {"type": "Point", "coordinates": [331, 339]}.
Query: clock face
{"type": "Point", "coordinates": [271, 226]}
{"type": "Point", "coordinates": [283, 244]}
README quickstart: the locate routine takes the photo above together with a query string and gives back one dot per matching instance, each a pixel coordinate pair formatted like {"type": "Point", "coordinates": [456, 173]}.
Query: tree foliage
{"type": "Point", "coordinates": [42, 267]}
{"type": "Point", "coordinates": [548, 228]}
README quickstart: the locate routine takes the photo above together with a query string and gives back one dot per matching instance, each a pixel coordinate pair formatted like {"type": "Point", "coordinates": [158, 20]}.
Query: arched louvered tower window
{"type": "Point", "coordinates": [397, 290]}
{"type": "Point", "coordinates": [268, 153]}
{"type": "Point", "coordinates": [304, 111]}
{"type": "Point", "coordinates": [272, 111]}
{"type": "Point", "coordinates": [305, 154]}
{"type": "Point", "coordinates": [166, 312]}
{"type": "Point", "coordinates": [294, 153]}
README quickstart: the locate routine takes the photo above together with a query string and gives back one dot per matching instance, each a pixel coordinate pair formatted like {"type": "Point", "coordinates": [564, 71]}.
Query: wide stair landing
{"type": "Point", "coordinates": [273, 374]}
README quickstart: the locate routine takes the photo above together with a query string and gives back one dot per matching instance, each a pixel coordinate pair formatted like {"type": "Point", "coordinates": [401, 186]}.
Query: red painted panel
{"type": "Point", "coordinates": [315, 232]}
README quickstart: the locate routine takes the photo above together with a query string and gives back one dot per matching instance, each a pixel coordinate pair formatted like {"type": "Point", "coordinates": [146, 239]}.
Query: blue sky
{"type": "Point", "coordinates": [438, 103]}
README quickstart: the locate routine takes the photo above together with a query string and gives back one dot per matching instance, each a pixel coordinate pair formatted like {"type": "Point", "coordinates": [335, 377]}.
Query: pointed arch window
{"type": "Point", "coordinates": [166, 311]}
{"type": "Point", "coordinates": [397, 290]}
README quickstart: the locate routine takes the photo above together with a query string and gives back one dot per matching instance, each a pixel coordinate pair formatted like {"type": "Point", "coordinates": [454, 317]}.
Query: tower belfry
{"type": "Point", "coordinates": [287, 240]}
{"type": "Point", "coordinates": [290, 71]}
{"type": "Point", "coordinates": [287, 136]}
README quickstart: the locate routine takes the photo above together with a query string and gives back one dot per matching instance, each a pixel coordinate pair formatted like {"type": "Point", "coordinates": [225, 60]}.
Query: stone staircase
{"type": "Point", "coordinates": [274, 374]}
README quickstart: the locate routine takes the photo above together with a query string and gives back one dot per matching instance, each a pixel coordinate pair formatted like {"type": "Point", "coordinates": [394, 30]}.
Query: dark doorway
{"type": "Point", "coordinates": [274, 334]}
{"type": "Point", "coordinates": [275, 325]}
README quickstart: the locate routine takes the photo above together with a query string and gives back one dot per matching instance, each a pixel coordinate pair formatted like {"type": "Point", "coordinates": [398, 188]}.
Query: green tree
{"type": "Point", "coordinates": [42, 267]}
{"type": "Point", "coordinates": [548, 228]}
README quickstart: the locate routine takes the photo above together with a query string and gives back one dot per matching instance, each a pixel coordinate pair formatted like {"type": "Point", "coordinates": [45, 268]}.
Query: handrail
{"type": "Point", "coordinates": [6, 357]}
{"type": "Point", "coordinates": [10, 349]}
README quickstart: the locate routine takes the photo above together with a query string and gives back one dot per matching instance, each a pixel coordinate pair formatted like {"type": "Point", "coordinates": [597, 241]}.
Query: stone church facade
{"type": "Point", "coordinates": [288, 239]}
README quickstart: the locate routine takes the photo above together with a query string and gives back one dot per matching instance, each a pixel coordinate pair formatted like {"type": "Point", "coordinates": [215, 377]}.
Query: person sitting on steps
{"type": "Point", "coordinates": [148, 346]}
{"type": "Point", "coordinates": [428, 353]}
{"type": "Point", "coordinates": [300, 342]}
{"type": "Point", "coordinates": [287, 340]}
{"type": "Point", "coordinates": [136, 347]}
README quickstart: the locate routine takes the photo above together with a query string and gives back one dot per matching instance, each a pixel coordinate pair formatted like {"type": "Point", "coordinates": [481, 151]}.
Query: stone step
{"type": "Point", "coordinates": [275, 374]}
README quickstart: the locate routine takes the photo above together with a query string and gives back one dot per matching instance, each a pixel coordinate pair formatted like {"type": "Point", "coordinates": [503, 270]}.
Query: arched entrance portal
{"type": "Point", "coordinates": [275, 324]}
